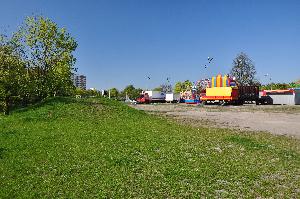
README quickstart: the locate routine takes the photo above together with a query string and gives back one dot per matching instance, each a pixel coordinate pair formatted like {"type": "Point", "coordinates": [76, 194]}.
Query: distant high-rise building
{"type": "Point", "coordinates": [79, 81]}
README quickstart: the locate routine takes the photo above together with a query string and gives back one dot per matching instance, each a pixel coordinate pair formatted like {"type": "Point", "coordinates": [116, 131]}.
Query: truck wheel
{"type": "Point", "coordinates": [269, 101]}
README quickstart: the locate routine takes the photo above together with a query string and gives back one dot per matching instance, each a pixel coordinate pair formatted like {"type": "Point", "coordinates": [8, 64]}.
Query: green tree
{"type": "Point", "coordinates": [295, 84]}
{"type": "Point", "coordinates": [114, 93]}
{"type": "Point", "coordinates": [158, 89]}
{"type": "Point", "coordinates": [178, 87]}
{"type": "Point", "coordinates": [137, 93]}
{"type": "Point", "coordinates": [280, 86]}
{"type": "Point", "coordinates": [79, 91]}
{"type": "Point", "coordinates": [12, 76]}
{"type": "Point", "coordinates": [131, 92]}
{"type": "Point", "coordinates": [243, 70]}
{"type": "Point", "coordinates": [187, 85]}
{"type": "Point", "coordinates": [48, 50]}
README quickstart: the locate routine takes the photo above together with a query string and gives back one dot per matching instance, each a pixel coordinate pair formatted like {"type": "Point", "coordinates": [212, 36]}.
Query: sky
{"type": "Point", "coordinates": [122, 42]}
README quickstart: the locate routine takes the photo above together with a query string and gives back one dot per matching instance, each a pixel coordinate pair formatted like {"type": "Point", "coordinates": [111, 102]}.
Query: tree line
{"type": "Point", "coordinates": [282, 86]}
{"type": "Point", "coordinates": [129, 91]}
{"type": "Point", "coordinates": [36, 62]}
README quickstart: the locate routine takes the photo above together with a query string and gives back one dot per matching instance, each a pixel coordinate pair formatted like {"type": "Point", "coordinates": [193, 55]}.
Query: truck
{"type": "Point", "coordinates": [225, 90]}
{"type": "Point", "coordinates": [151, 97]}
{"type": "Point", "coordinates": [288, 96]}
{"type": "Point", "coordinates": [172, 97]}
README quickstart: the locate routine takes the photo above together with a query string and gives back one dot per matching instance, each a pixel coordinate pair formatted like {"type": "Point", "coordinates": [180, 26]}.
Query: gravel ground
{"type": "Point", "coordinates": [280, 120]}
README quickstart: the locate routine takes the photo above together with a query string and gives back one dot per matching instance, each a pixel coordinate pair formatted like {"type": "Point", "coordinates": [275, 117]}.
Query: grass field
{"type": "Point", "coordinates": [99, 148]}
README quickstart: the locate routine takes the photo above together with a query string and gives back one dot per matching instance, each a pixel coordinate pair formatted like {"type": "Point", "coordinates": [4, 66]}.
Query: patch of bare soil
{"type": "Point", "coordinates": [280, 120]}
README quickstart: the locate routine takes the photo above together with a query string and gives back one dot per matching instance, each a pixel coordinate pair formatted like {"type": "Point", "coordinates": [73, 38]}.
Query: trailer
{"type": "Point", "coordinates": [151, 97]}
{"type": "Point", "coordinates": [283, 97]}
{"type": "Point", "coordinates": [225, 90]}
{"type": "Point", "coordinates": [172, 97]}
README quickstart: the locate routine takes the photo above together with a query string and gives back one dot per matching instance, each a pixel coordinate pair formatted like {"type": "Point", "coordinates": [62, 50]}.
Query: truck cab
{"type": "Point", "coordinates": [143, 99]}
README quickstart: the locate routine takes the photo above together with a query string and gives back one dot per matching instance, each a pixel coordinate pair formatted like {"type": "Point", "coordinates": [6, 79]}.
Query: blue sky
{"type": "Point", "coordinates": [122, 42]}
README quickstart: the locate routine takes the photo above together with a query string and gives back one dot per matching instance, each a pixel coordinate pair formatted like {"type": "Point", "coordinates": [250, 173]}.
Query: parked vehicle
{"type": "Point", "coordinates": [128, 100]}
{"type": "Point", "coordinates": [151, 97]}
{"type": "Point", "coordinates": [288, 96]}
{"type": "Point", "coordinates": [225, 90]}
{"type": "Point", "coordinates": [172, 97]}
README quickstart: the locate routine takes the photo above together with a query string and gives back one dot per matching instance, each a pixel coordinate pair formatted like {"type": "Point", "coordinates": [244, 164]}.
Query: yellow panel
{"type": "Point", "coordinates": [219, 80]}
{"type": "Point", "coordinates": [213, 82]}
{"type": "Point", "coordinates": [219, 91]}
{"type": "Point", "coordinates": [224, 81]}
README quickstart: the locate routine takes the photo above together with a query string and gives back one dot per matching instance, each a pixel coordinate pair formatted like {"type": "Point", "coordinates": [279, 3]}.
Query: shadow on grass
{"type": "Point", "coordinates": [247, 142]}
{"type": "Point", "coordinates": [54, 101]}
{"type": "Point", "coordinates": [48, 101]}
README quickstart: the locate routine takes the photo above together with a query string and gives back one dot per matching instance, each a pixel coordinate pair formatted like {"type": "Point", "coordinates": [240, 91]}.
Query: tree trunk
{"type": "Point", "coordinates": [6, 106]}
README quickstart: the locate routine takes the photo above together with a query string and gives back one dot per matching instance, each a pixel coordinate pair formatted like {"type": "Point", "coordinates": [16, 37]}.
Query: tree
{"type": "Point", "coordinates": [35, 63]}
{"type": "Point", "coordinates": [137, 93]}
{"type": "Point", "coordinates": [243, 70]}
{"type": "Point", "coordinates": [187, 85]}
{"type": "Point", "coordinates": [48, 51]}
{"type": "Point", "coordinates": [114, 93]}
{"type": "Point", "coordinates": [131, 92]}
{"type": "Point", "coordinates": [158, 89]}
{"type": "Point", "coordinates": [12, 76]}
{"type": "Point", "coordinates": [280, 86]}
{"type": "Point", "coordinates": [183, 86]}
{"type": "Point", "coordinates": [178, 87]}
{"type": "Point", "coordinates": [79, 91]}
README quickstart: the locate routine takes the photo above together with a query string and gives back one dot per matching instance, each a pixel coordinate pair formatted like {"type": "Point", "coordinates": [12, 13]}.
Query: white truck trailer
{"type": "Point", "coordinates": [155, 96]}
{"type": "Point", "coordinates": [152, 96]}
{"type": "Point", "coordinates": [172, 97]}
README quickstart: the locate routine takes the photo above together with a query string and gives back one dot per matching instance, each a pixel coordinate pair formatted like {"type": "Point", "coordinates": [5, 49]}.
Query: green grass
{"type": "Point", "coordinates": [99, 148]}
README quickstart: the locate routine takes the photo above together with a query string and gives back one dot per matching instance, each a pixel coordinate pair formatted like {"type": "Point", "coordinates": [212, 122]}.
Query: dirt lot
{"type": "Point", "coordinates": [281, 120]}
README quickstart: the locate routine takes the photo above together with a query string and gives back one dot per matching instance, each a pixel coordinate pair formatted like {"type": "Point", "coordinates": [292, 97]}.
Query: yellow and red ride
{"type": "Point", "coordinates": [224, 89]}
